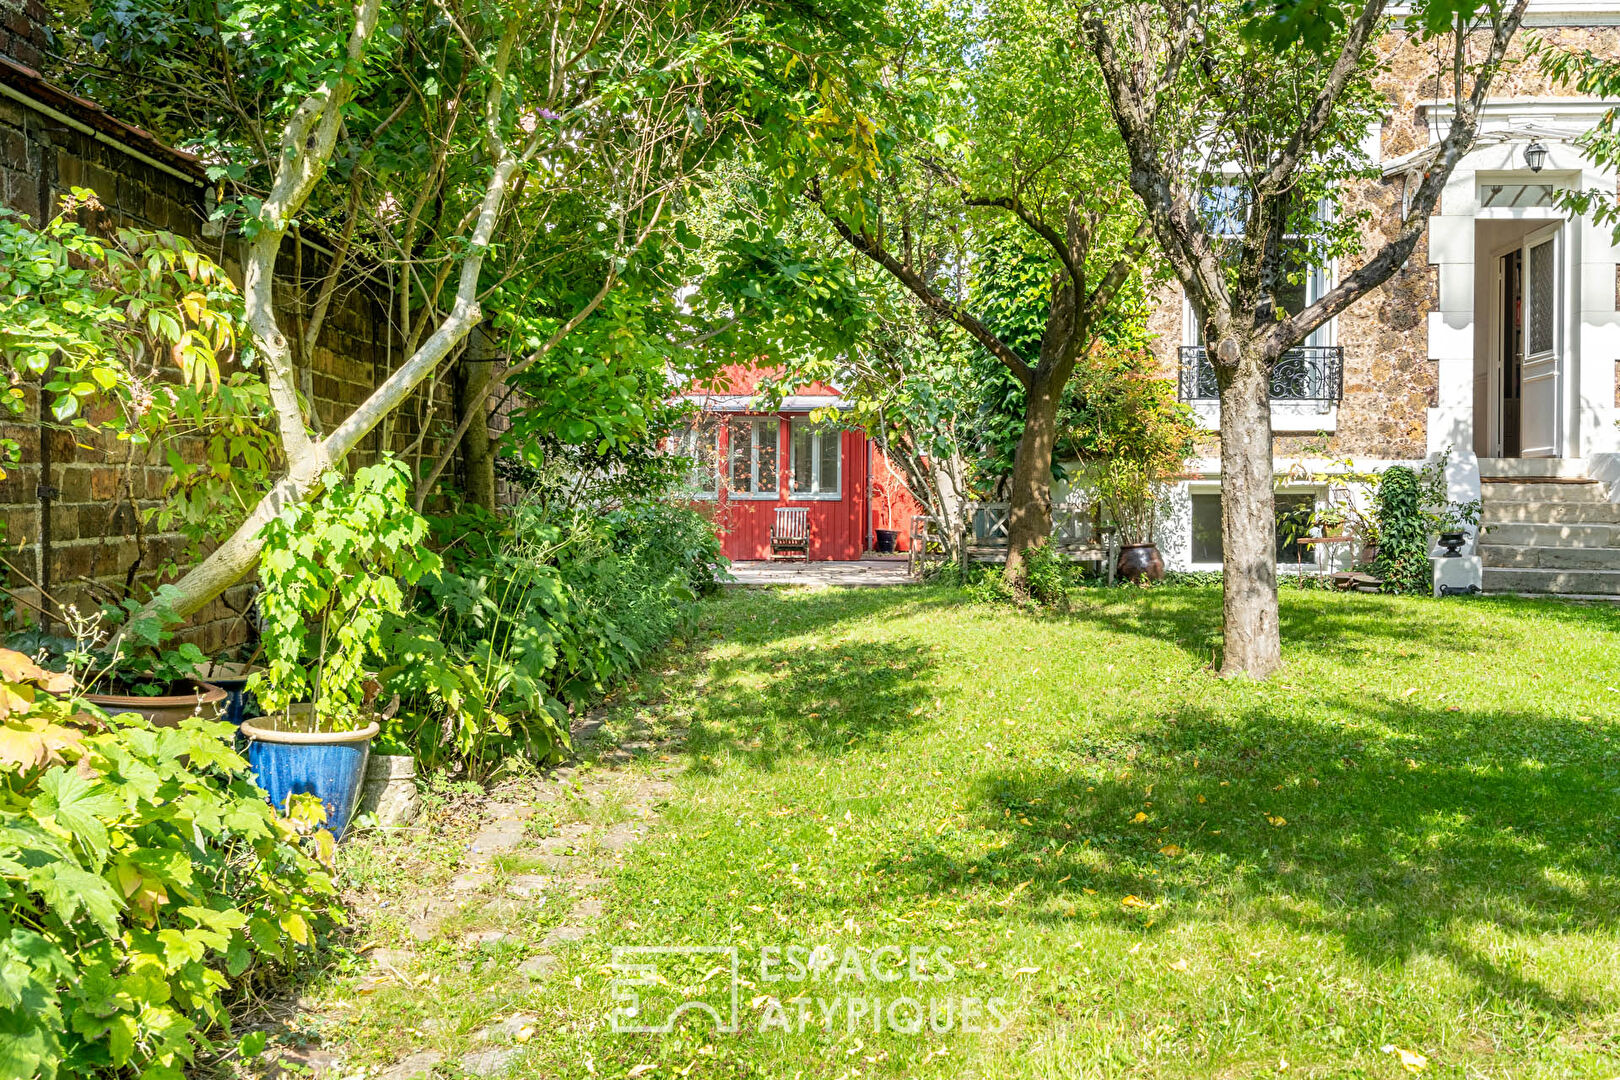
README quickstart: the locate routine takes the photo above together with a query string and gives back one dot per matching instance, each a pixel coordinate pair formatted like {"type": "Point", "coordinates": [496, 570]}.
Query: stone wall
{"type": "Point", "coordinates": [1389, 381]}
{"type": "Point", "coordinates": [74, 526]}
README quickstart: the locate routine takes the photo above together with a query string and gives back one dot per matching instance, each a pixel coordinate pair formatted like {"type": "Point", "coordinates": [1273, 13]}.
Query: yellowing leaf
{"type": "Point", "coordinates": [1411, 1060]}
{"type": "Point", "coordinates": [1179, 965]}
{"type": "Point", "coordinates": [1277, 821]}
{"type": "Point", "coordinates": [296, 927]}
{"type": "Point", "coordinates": [1139, 818]}
{"type": "Point", "coordinates": [1171, 850]}
{"type": "Point", "coordinates": [1134, 901]}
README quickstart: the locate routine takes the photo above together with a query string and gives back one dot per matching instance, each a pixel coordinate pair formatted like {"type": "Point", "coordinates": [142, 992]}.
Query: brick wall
{"type": "Point", "coordinates": [95, 542]}
{"type": "Point", "coordinates": [23, 34]}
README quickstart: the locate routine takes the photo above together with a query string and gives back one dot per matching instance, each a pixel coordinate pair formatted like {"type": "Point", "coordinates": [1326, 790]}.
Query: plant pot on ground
{"type": "Point", "coordinates": [885, 541]}
{"type": "Point", "coordinates": [291, 755]}
{"type": "Point", "coordinates": [232, 677]}
{"type": "Point", "coordinates": [122, 660]}
{"type": "Point", "coordinates": [1127, 491]}
{"type": "Point", "coordinates": [330, 573]}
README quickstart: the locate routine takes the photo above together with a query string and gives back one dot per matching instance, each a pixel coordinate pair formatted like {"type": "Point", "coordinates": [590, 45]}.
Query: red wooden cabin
{"type": "Point", "coordinates": [751, 461]}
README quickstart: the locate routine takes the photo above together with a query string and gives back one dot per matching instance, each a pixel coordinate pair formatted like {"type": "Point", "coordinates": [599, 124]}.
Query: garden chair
{"type": "Point", "coordinates": [790, 533]}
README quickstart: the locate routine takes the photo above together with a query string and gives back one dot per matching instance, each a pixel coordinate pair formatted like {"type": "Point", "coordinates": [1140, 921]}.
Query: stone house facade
{"type": "Point", "coordinates": [73, 513]}
{"type": "Point", "coordinates": [1496, 344]}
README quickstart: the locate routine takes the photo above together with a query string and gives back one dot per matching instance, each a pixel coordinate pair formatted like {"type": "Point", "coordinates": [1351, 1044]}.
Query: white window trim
{"type": "Point", "coordinates": [719, 481]}
{"type": "Point", "coordinates": [817, 431]}
{"type": "Point", "coordinates": [1310, 565]}
{"type": "Point", "coordinates": [754, 493]}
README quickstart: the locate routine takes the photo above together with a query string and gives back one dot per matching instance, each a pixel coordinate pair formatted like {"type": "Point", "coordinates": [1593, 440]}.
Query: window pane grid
{"type": "Point", "coordinates": [817, 460]}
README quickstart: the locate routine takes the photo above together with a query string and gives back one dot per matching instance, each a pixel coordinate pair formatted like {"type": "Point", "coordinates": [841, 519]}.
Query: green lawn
{"type": "Point", "coordinates": [1406, 840]}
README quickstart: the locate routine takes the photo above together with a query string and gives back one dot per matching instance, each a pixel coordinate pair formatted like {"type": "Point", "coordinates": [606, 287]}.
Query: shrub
{"type": "Point", "coordinates": [143, 875]}
{"type": "Point", "coordinates": [1403, 545]}
{"type": "Point", "coordinates": [532, 618]}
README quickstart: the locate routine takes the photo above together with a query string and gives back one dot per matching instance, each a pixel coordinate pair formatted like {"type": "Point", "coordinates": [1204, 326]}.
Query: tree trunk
{"type": "Point", "coordinates": [1029, 499]}
{"type": "Point", "coordinates": [1248, 521]}
{"type": "Point", "coordinates": [478, 453]}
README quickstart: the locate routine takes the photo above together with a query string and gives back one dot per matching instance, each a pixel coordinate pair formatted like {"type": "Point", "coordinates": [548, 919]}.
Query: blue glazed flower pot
{"type": "Point", "coordinates": [330, 765]}
{"type": "Point", "coordinates": [232, 678]}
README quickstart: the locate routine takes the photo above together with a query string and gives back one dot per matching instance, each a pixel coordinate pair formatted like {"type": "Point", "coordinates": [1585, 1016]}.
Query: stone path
{"type": "Point", "coordinates": [512, 875]}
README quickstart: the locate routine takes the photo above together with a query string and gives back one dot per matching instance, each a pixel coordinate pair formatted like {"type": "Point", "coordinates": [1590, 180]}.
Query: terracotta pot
{"type": "Point", "coordinates": [207, 701]}
{"type": "Point", "coordinates": [1369, 554]}
{"type": "Point", "coordinates": [1139, 562]}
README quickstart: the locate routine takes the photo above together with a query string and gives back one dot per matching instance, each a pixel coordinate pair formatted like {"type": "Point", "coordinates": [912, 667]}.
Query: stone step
{"type": "Point", "coordinates": [1547, 512]}
{"type": "Point", "coordinates": [1531, 467]}
{"type": "Point", "coordinates": [1564, 582]}
{"type": "Point", "coordinates": [1547, 535]}
{"type": "Point", "coordinates": [1551, 558]}
{"type": "Point", "coordinates": [1542, 491]}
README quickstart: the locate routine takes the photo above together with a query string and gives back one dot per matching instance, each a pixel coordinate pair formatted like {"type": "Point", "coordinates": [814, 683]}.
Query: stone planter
{"type": "Point", "coordinates": [390, 790]}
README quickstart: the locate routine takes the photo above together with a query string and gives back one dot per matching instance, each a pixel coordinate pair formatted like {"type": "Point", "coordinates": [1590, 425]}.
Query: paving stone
{"type": "Point", "coordinates": [397, 959]}
{"type": "Point", "coordinates": [417, 1065]}
{"type": "Point", "coordinates": [510, 1028]}
{"type": "Point", "coordinates": [539, 966]}
{"type": "Point", "coordinates": [488, 1062]}
{"type": "Point", "coordinates": [485, 937]}
{"type": "Point", "coordinates": [528, 885]}
{"type": "Point", "coordinates": [619, 837]}
{"type": "Point", "coordinates": [471, 881]}
{"type": "Point", "coordinates": [424, 929]}
{"type": "Point", "coordinates": [303, 1062]}
{"type": "Point", "coordinates": [558, 935]}
{"type": "Point", "coordinates": [587, 910]}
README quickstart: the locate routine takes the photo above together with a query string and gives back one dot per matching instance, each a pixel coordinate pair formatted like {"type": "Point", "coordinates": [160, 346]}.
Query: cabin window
{"type": "Point", "coordinates": [816, 464]}
{"type": "Point", "coordinates": [753, 457]}
{"type": "Point", "coordinates": [700, 444]}
{"type": "Point", "coordinates": [1293, 511]}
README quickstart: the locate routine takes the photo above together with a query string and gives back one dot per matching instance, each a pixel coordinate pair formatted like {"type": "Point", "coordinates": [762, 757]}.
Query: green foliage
{"type": "Point", "coordinates": [332, 567]}
{"type": "Point", "coordinates": [533, 617]}
{"type": "Point", "coordinates": [1403, 545]}
{"type": "Point", "coordinates": [143, 874]}
{"type": "Point", "coordinates": [127, 335]}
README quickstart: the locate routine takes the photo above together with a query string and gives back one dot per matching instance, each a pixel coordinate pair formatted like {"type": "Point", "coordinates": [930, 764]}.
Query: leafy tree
{"type": "Point", "coordinates": [479, 158]}
{"type": "Point", "coordinates": [982, 128]}
{"type": "Point", "coordinates": [1244, 125]}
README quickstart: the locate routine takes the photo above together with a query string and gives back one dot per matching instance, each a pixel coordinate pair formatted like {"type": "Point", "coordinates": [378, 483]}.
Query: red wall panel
{"type": "Point", "coordinates": [837, 527]}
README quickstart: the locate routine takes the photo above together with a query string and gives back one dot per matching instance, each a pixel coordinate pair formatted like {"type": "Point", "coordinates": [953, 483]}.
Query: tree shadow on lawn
{"type": "Point", "coordinates": [1396, 844]}
{"type": "Point", "coordinates": [1350, 629]}
{"type": "Point", "coordinates": [786, 696]}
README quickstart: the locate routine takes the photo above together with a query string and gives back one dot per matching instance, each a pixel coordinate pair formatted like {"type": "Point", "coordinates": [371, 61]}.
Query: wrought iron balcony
{"type": "Point", "coordinates": [1305, 373]}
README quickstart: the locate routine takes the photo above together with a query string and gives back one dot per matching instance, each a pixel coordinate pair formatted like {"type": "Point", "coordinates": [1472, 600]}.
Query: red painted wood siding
{"type": "Point", "coordinates": [837, 527]}
{"type": "Point", "coordinates": [893, 505]}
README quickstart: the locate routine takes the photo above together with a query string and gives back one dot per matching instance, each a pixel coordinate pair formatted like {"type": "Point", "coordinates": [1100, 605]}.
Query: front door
{"type": "Point", "coordinates": [1540, 351]}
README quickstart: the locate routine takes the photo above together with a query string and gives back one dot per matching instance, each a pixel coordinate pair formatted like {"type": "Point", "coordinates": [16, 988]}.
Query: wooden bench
{"type": "Point", "coordinates": [790, 533]}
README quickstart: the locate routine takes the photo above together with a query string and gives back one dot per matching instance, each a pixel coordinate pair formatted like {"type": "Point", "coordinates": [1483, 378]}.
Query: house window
{"type": "Point", "coordinates": [816, 460]}
{"type": "Point", "coordinates": [1224, 209]}
{"type": "Point", "coordinates": [1293, 511]}
{"type": "Point", "coordinates": [752, 460]}
{"type": "Point", "coordinates": [700, 444]}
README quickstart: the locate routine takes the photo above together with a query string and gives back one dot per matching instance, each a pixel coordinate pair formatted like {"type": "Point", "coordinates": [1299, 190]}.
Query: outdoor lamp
{"type": "Point", "coordinates": [1535, 155]}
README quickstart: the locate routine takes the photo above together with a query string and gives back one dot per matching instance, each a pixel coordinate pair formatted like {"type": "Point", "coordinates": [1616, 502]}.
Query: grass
{"type": "Point", "coordinates": [1405, 842]}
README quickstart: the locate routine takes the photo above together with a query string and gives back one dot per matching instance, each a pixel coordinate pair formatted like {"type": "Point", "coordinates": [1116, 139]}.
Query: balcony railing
{"type": "Point", "coordinates": [1305, 373]}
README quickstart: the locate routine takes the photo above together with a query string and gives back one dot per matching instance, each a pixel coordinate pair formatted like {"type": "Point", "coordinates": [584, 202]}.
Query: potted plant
{"type": "Point", "coordinates": [1446, 517]}
{"type": "Point", "coordinates": [1126, 490]}
{"type": "Point", "coordinates": [330, 573]}
{"type": "Point", "coordinates": [137, 670]}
